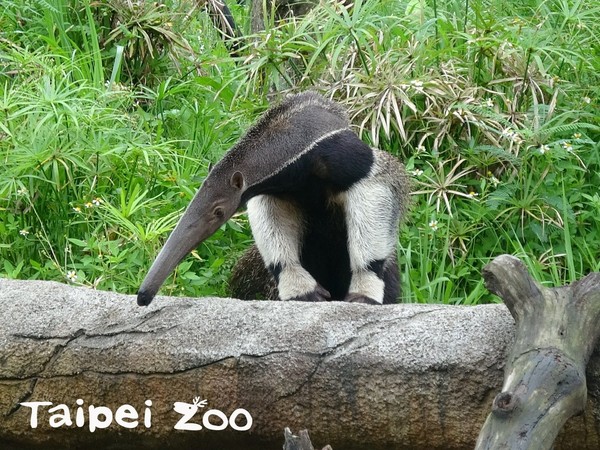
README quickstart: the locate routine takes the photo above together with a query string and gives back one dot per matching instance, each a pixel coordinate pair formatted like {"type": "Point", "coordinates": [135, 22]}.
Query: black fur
{"type": "Point", "coordinates": [332, 166]}
{"type": "Point", "coordinates": [275, 270]}
{"type": "Point", "coordinates": [324, 251]}
{"type": "Point", "coordinates": [377, 267]}
{"type": "Point", "coordinates": [250, 279]}
{"type": "Point", "coordinates": [391, 278]}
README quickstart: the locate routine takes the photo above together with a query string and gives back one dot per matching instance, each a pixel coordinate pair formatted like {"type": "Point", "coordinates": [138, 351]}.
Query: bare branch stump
{"type": "Point", "coordinates": [544, 378]}
{"type": "Point", "coordinates": [300, 442]}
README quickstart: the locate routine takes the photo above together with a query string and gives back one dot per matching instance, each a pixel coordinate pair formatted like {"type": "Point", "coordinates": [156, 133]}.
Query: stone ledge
{"type": "Point", "coordinates": [357, 377]}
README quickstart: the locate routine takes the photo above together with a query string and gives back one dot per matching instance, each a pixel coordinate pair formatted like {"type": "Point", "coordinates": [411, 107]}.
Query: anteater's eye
{"type": "Point", "coordinates": [218, 212]}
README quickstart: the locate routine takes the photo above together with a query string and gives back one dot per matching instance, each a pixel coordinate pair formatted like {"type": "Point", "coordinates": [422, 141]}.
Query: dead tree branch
{"type": "Point", "coordinates": [544, 377]}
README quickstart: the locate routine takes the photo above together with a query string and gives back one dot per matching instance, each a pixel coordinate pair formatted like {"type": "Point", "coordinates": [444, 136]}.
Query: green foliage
{"type": "Point", "coordinates": [110, 113]}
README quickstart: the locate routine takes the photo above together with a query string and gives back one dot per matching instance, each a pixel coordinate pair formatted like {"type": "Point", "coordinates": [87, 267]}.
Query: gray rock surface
{"type": "Point", "coordinates": [356, 376]}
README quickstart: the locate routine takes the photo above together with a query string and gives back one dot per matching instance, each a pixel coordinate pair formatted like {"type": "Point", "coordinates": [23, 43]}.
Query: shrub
{"type": "Point", "coordinates": [492, 105]}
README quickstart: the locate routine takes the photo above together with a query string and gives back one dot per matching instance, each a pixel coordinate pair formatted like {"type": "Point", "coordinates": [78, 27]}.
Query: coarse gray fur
{"type": "Point", "coordinates": [281, 136]}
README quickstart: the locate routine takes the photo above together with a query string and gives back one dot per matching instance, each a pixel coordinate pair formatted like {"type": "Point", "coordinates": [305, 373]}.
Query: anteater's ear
{"type": "Point", "coordinates": [237, 180]}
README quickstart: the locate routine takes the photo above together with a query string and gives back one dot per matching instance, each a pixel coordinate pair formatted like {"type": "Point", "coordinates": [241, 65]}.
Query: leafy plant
{"type": "Point", "coordinates": [111, 112]}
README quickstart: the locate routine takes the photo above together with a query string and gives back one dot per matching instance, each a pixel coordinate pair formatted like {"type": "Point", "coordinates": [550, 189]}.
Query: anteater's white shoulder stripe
{"type": "Point", "coordinates": [301, 154]}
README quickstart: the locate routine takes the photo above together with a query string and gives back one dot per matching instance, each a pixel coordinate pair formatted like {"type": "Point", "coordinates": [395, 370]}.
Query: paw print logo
{"type": "Point", "coordinates": [188, 410]}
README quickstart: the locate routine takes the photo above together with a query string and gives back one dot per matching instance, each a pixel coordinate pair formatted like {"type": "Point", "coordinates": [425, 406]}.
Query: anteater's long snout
{"type": "Point", "coordinates": [190, 232]}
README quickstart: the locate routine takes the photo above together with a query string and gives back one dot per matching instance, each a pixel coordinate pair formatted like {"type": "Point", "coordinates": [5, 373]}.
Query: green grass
{"type": "Point", "coordinates": [107, 131]}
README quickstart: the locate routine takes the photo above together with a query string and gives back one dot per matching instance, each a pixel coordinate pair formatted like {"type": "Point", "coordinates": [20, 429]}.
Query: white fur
{"type": "Point", "coordinates": [294, 282]}
{"type": "Point", "coordinates": [367, 283]}
{"type": "Point", "coordinates": [277, 227]}
{"type": "Point", "coordinates": [372, 217]}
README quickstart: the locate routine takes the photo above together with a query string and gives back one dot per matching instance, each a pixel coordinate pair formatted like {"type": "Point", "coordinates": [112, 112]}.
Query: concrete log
{"type": "Point", "coordinates": [356, 376]}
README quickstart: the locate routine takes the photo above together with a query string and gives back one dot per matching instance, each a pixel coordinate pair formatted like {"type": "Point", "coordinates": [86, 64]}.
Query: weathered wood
{"type": "Point", "coordinates": [300, 442]}
{"type": "Point", "coordinates": [544, 382]}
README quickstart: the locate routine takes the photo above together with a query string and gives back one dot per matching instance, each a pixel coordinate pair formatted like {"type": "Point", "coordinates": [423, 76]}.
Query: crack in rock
{"type": "Point", "coordinates": [364, 338]}
{"type": "Point", "coordinates": [120, 328]}
{"type": "Point", "coordinates": [58, 349]}
{"type": "Point", "coordinates": [23, 398]}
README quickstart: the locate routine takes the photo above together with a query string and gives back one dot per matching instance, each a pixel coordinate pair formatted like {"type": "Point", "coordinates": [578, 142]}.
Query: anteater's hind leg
{"type": "Point", "coordinates": [250, 279]}
{"type": "Point", "coordinates": [277, 226]}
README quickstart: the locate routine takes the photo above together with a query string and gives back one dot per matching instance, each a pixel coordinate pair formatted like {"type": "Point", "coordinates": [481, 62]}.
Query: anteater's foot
{"type": "Point", "coordinates": [320, 294]}
{"type": "Point", "coordinates": [359, 298]}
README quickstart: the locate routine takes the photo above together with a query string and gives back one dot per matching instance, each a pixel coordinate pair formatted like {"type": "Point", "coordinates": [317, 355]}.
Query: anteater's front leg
{"type": "Point", "coordinates": [372, 215]}
{"type": "Point", "coordinates": [277, 226]}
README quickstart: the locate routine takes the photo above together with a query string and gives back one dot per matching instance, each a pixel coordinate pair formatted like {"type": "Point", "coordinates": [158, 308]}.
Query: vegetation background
{"type": "Point", "coordinates": [111, 111]}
